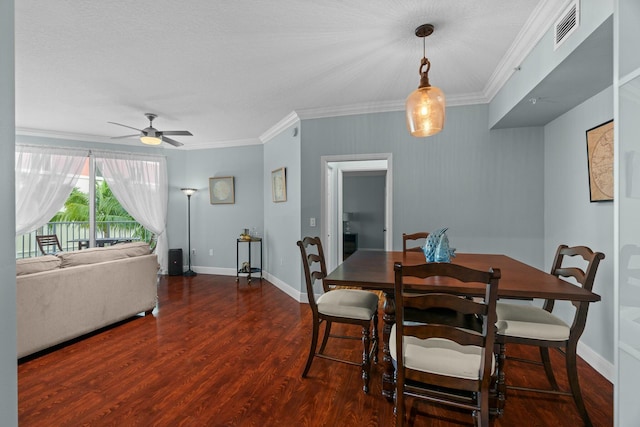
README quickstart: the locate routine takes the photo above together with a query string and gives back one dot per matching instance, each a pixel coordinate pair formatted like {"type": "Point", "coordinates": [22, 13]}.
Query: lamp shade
{"type": "Point", "coordinates": [151, 140]}
{"type": "Point", "coordinates": [188, 191]}
{"type": "Point", "coordinates": [425, 109]}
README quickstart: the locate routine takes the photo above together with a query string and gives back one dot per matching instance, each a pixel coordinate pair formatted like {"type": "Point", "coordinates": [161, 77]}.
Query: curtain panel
{"type": "Point", "coordinates": [45, 177]}
{"type": "Point", "coordinates": [140, 184]}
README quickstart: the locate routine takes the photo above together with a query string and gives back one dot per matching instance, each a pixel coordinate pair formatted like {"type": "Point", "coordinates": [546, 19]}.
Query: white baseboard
{"type": "Point", "coordinates": [284, 287]}
{"type": "Point", "coordinates": [597, 362]}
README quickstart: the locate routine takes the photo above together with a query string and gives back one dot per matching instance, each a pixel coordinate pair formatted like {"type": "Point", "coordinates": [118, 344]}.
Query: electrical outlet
{"type": "Point", "coordinates": [210, 252]}
{"type": "Point", "coordinates": [312, 222]}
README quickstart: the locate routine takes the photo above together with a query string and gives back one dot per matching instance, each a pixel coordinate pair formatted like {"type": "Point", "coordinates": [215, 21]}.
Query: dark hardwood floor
{"type": "Point", "coordinates": [213, 354]}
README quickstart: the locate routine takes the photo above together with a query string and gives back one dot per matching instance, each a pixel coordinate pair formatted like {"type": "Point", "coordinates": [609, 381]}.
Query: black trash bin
{"type": "Point", "coordinates": [175, 262]}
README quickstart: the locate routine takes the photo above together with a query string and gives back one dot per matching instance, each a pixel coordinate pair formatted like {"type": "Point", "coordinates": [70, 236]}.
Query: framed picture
{"type": "Point", "coordinates": [279, 185]}
{"type": "Point", "coordinates": [600, 162]}
{"type": "Point", "coordinates": [221, 190]}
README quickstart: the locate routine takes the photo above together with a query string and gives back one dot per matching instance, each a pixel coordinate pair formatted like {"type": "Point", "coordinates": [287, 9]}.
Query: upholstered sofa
{"type": "Point", "coordinates": [64, 296]}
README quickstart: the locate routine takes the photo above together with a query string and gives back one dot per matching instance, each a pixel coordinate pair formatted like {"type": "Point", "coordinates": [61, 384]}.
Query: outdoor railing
{"type": "Point", "coordinates": [69, 232]}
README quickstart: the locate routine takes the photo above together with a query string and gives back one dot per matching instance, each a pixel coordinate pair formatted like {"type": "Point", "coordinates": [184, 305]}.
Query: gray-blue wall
{"type": "Point", "coordinates": [8, 372]}
{"type": "Point", "coordinates": [217, 227]}
{"type": "Point", "coordinates": [570, 218]}
{"type": "Point", "coordinates": [282, 219]}
{"type": "Point", "coordinates": [485, 185]}
{"type": "Point", "coordinates": [363, 196]}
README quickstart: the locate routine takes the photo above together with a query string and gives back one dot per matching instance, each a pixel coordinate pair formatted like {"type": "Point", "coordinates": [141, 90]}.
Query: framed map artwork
{"type": "Point", "coordinates": [221, 190]}
{"type": "Point", "coordinates": [600, 162]}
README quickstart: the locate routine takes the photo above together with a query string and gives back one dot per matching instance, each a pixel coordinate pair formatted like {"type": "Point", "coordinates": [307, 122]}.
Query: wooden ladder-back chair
{"type": "Point", "coordinates": [350, 306]}
{"type": "Point", "coordinates": [415, 236]}
{"type": "Point", "coordinates": [537, 326]}
{"type": "Point", "coordinates": [444, 363]}
{"type": "Point", "coordinates": [49, 244]}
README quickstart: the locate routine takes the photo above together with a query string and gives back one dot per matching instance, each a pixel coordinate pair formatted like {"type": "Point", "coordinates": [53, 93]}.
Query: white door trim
{"type": "Point", "coordinates": [331, 190]}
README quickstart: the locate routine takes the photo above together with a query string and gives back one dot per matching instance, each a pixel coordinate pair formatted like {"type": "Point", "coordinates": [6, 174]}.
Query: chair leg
{"type": "Point", "coordinates": [483, 416]}
{"type": "Point", "coordinates": [399, 403]}
{"type": "Point", "coordinates": [375, 338]}
{"type": "Point", "coordinates": [572, 374]}
{"type": "Point", "coordinates": [312, 347]}
{"type": "Point", "coordinates": [501, 386]}
{"type": "Point", "coordinates": [546, 362]}
{"type": "Point", "coordinates": [366, 363]}
{"type": "Point", "coordinates": [325, 338]}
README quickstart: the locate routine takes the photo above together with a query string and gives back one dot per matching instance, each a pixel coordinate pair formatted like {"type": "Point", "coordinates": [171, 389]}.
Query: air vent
{"type": "Point", "coordinates": [568, 22]}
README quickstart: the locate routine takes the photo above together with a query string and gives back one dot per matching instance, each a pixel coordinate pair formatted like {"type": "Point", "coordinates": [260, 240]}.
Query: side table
{"type": "Point", "coordinates": [247, 267]}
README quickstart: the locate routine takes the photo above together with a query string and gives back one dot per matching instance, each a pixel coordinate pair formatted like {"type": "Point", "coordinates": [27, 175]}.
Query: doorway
{"type": "Point", "coordinates": [335, 218]}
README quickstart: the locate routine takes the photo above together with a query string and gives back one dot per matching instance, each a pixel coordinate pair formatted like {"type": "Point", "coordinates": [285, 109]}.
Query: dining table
{"type": "Point", "coordinates": [374, 270]}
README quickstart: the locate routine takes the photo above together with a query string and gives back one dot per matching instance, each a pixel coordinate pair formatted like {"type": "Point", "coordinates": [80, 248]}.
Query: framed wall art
{"type": "Point", "coordinates": [600, 162]}
{"type": "Point", "coordinates": [221, 190]}
{"type": "Point", "coordinates": [279, 185]}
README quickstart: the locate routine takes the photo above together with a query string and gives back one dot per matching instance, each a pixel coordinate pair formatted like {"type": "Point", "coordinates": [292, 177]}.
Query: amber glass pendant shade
{"type": "Point", "coordinates": [425, 106]}
{"type": "Point", "coordinates": [425, 109]}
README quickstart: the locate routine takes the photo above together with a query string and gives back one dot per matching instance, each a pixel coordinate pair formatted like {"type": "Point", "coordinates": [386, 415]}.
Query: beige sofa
{"type": "Point", "coordinates": [64, 296]}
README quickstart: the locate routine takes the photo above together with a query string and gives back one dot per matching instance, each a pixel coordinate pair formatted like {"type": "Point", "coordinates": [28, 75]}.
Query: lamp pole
{"type": "Point", "coordinates": [189, 192]}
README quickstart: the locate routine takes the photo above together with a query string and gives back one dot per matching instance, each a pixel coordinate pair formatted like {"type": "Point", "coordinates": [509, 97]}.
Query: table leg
{"type": "Point", "coordinates": [389, 318]}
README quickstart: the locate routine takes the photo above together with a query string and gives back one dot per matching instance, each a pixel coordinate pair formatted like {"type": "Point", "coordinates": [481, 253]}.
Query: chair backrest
{"type": "Point", "coordinates": [414, 236]}
{"type": "Point", "coordinates": [48, 244]}
{"type": "Point", "coordinates": [565, 265]}
{"type": "Point", "coordinates": [485, 309]}
{"type": "Point", "coordinates": [314, 265]}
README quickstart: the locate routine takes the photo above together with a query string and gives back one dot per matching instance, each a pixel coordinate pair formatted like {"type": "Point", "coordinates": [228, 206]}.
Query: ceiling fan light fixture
{"type": "Point", "coordinates": [425, 106]}
{"type": "Point", "coordinates": [151, 140]}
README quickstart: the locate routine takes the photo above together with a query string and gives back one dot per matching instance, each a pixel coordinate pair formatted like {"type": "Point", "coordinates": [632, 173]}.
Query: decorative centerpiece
{"type": "Point", "coordinates": [436, 247]}
{"type": "Point", "coordinates": [245, 234]}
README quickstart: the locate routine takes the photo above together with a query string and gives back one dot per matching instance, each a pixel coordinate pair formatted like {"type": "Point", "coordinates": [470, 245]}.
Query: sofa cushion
{"type": "Point", "coordinates": [36, 264]}
{"type": "Point", "coordinates": [107, 253]}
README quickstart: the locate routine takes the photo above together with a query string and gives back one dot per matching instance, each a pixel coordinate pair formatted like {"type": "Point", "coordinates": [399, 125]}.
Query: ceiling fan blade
{"type": "Point", "coordinates": [130, 127]}
{"type": "Point", "coordinates": [125, 136]}
{"type": "Point", "coordinates": [172, 141]}
{"type": "Point", "coordinates": [177, 132]}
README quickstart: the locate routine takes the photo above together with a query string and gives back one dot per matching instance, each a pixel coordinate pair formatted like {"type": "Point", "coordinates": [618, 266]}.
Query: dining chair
{"type": "Point", "coordinates": [537, 326]}
{"type": "Point", "coordinates": [347, 306]}
{"type": "Point", "coordinates": [414, 236]}
{"type": "Point", "coordinates": [440, 363]}
{"type": "Point", "coordinates": [48, 244]}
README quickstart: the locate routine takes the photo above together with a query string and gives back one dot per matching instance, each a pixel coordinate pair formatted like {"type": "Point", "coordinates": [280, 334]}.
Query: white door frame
{"type": "Point", "coordinates": [331, 200]}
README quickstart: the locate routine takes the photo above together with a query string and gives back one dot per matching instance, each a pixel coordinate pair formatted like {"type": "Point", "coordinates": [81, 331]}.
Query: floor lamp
{"type": "Point", "coordinates": [189, 192]}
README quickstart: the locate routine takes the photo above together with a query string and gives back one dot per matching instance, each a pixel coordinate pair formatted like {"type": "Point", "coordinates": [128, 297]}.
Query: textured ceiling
{"type": "Point", "coordinates": [229, 71]}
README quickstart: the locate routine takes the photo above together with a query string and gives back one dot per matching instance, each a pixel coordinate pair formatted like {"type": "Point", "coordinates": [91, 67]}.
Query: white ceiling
{"type": "Point", "coordinates": [230, 71]}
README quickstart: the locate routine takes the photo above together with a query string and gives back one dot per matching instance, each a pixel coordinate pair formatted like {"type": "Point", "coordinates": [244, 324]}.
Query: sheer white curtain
{"type": "Point", "coordinates": [45, 177]}
{"type": "Point", "coordinates": [140, 184]}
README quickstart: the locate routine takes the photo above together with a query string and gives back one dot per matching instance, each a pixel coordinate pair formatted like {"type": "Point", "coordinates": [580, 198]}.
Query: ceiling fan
{"type": "Point", "coordinates": [153, 136]}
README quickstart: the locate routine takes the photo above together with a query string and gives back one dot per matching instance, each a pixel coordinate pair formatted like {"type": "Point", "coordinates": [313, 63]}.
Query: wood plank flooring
{"type": "Point", "coordinates": [214, 354]}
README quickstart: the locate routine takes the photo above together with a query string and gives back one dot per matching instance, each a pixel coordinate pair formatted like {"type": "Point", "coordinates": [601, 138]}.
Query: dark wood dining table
{"type": "Point", "coordinates": [374, 270]}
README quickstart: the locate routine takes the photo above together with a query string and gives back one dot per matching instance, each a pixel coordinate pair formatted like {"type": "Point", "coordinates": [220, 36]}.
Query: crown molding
{"type": "Point", "coordinates": [541, 19]}
{"type": "Point", "coordinates": [279, 127]}
{"type": "Point", "coordinates": [63, 135]}
{"type": "Point", "coordinates": [222, 144]}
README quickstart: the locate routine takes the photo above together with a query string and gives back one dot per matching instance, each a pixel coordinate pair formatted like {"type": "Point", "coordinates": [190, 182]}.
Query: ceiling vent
{"type": "Point", "coordinates": [568, 22]}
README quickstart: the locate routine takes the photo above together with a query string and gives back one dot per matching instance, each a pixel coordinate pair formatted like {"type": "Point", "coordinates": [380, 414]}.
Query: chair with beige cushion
{"type": "Point", "coordinates": [349, 306]}
{"type": "Point", "coordinates": [537, 326]}
{"type": "Point", "coordinates": [442, 363]}
{"type": "Point", "coordinates": [421, 236]}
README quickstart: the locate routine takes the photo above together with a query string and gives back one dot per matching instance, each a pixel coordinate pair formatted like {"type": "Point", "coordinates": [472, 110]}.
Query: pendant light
{"type": "Point", "coordinates": [425, 106]}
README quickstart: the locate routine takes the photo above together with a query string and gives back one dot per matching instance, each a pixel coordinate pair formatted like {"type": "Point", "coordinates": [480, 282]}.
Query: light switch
{"type": "Point", "coordinates": [312, 222]}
